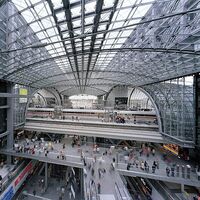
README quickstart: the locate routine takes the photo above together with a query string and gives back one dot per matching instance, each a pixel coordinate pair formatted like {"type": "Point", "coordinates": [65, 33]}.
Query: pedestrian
{"type": "Point", "coordinates": [167, 171]}
{"type": "Point", "coordinates": [141, 151]}
{"type": "Point", "coordinates": [62, 191]}
{"type": "Point", "coordinates": [153, 168]}
{"type": "Point", "coordinates": [153, 152]}
{"type": "Point", "coordinates": [89, 166]}
{"type": "Point", "coordinates": [145, 165]}
{"type": "Point", "coordinates": [172, 171]}
{"type": "Point", "coordinates": [64, 146]}
{"type": "Point", "coordinates": [99, 172]}
{"type": "Point", "coordinates": [142, 165]}
{"type": "Point", "coordinates": [91, 182]}
{"type": "Point", "coordinates": [147, 168]}
{"type": "Point", "coordinates": [99, 188]}
{"type": "Point", "coordinates": [148, 151]}
{"type": "Point", "coordinates": [92, 172]}
{"type": "Point", "coordinates": [128, 166]}
{"type": "Point", "coordinates": [34, 192]}
{"type": "Point", "coordinates": [84, 162]}
{"type": "Point", "coordinates": [157, 164]}
{"type": "Point", "coordinates": [70, 195]}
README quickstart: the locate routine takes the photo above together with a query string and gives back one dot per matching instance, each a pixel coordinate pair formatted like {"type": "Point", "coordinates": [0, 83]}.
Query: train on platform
{"type": "Point", "coordinates": [149, 116]}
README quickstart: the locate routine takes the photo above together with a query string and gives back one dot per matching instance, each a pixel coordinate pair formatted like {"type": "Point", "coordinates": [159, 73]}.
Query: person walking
{"type": "Point", "coordinates": [128, 166]}
{"type": "Point", "coordinates": [99, 188]}
{"type": "Point", "coordinates": [99, 172]}
{"type": "Point", "coordinates": [34, 192]}
{"type": "Point", "coordinates": [167, 171]}
{"type": "Point", "coordinates": [92, 172]}
{"type": "Point", "coordinates": [153, 152]}
{"type": "Point", "coordinates": [153, 168]}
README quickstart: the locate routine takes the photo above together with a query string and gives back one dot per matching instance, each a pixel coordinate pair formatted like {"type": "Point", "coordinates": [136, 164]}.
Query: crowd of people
{"type": "Point", "coordinates": [96, 166]}
{"type": "Point", "coordinates": [139, 158]}
{"type": "Point", "coordinates": [135, 157]}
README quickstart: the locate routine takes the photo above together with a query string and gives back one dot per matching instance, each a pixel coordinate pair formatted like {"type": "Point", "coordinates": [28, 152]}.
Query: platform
{"type": "Point", "coordinates": [103, 130]}
{"type": "Point", "coordinates": [73, 159]}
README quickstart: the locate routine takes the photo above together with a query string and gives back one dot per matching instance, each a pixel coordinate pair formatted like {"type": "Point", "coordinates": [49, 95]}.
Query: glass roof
{"type": "Point", "coordinates": [100, 42]}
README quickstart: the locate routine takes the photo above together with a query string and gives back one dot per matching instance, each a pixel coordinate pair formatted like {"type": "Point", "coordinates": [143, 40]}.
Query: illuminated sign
{"type": "Point", "coordinates": [172, 147]}
{"type": "Point", "coordinates": [23, 91]}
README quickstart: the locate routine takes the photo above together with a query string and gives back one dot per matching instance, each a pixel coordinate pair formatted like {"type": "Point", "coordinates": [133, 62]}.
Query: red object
{"type": "Point", "coordinates": [23, 173]}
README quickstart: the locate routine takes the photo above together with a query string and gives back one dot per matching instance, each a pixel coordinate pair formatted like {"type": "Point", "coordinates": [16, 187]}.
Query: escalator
{"type": "Point", "coordinates": [163, 190]}
{"type": "Point", "coordinates": [137, 189]}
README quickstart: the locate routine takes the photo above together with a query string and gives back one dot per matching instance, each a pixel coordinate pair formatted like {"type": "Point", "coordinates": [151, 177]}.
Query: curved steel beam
{"type": "Point", "coordinates": [117, 81]}
{"type": "Point", "coordinates": [155, 106]}
{"type": "Point", "coordinates": [111, 89]}
{"type": "Point", "coordinates": [44, 99]}
{"type": "Point", "coordinates": [95, 71]}
{"type": "Point", "coordinates": [86, 87]}
{"type": "Point", "coordinates": [130, 96]}
{"type": "Point", "coordinates": [159, 50]}
{"type": "Point", "coordinates": [130, 25]}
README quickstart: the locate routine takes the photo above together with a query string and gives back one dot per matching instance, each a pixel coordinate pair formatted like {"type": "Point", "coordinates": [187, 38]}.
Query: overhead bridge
{"type": "Point", "coordinates": [75, 161]}
{"type": "Point", "coordinates": [137, 132]}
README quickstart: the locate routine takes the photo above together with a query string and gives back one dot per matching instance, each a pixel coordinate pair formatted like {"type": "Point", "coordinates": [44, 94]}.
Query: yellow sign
{"type": "Point", "coordinates": [23, 91]}
{"type": "Point", "coordinates": [171, 147]}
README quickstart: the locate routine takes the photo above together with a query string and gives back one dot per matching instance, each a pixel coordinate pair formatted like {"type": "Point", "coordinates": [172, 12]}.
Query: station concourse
{"type": "Point", "coordinates": [99, 99]}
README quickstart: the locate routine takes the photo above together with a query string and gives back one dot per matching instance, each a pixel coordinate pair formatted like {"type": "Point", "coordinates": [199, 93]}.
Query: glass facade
{"type": "Point", "coordinates": [197, 109]}
{"type": "Point", "coordinates": [175, 101]}
{"type": "Point", "coordinates": [3, 111]}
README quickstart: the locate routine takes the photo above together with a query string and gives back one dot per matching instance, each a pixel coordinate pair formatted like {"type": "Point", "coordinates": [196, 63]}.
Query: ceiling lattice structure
{"type": "Point", "coordinates": [92, 45]}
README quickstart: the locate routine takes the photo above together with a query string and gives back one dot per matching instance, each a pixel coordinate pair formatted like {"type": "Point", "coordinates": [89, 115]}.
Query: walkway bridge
{"type": "Point", "coordinates": [73, 158]}
{"type": "Point", "coordinates": [137, 132]}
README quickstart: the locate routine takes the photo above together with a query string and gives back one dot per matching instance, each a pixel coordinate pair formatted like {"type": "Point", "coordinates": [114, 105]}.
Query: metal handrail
{"type": "Point", "coordinates": [118, 191]}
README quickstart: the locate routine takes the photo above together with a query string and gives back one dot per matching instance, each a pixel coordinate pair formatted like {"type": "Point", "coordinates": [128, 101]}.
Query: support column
{"type": "Point", "coordinates": [182, 187]}
{"type": "Point", "coordinates": [46, 176]}
{"type": "Point", "coordinates": [81, 183]}
{"type": "Point", "coordinates": [117, 159]}
{"type": "Point", "coordinates": [10, 120]}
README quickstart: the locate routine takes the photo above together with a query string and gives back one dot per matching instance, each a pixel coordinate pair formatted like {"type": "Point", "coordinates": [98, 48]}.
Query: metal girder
{"type": "Point", "coordinates": [60, 34]}
{"type": "Point", "coordinates": [104, 79]}
{"type": "Point", "coordinates": [163, 43]}
{"type": "Point", "coordinates": [66, 4]}
{"type": "Point", "coordinates": [96, 71]}
{"type": "Point", "coordinates": [82, 40]}
{"type": "Point", "coordinates": [89, 14]}
{"type": "Point", "coordinates": [159, 50]}
{"type": "Point", "coordinates": [104, 35]}
{"type": "Point", "coordinates": [87, 87]}
{"type": "Point", "coordinates": [99, 6]}
{"type": "Point", "coordinates": [73, 5]}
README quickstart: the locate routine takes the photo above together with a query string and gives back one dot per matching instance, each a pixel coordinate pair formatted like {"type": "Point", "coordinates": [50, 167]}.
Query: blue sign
{"type": "Point", "coordinates": [9, 194]}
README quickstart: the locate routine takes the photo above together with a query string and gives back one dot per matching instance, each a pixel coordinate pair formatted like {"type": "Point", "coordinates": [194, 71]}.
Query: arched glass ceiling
{"type": "Point", "coordinates": [132, 42]}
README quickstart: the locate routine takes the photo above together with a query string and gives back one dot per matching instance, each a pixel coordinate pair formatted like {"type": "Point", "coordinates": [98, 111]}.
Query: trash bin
{"type": "Point", "coordinates": [188, 171]}
{"type": "Point", "coordinates": [183, 171]}
{"type": "Point", "coordinates": [177, 170]}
